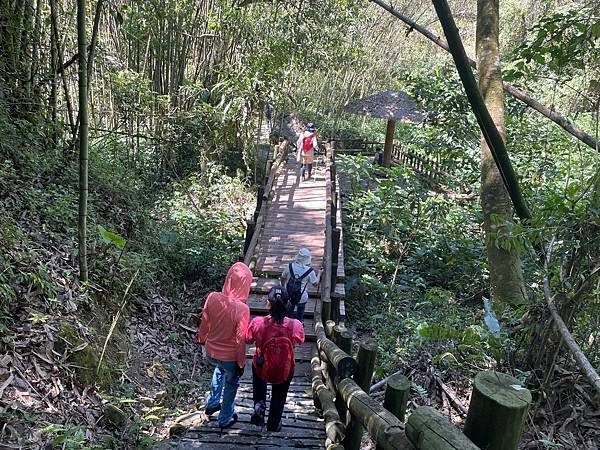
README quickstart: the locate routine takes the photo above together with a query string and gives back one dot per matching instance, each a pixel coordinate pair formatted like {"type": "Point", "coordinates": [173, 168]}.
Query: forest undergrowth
{"type": "Point", "coordinates": [108, 364]}
{"type": "Point", "coordinates": [418, 278]}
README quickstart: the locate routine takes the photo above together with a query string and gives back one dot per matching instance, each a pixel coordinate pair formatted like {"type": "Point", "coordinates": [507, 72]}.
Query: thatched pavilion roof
{"type": "Point", "coordinates": [394, 105]}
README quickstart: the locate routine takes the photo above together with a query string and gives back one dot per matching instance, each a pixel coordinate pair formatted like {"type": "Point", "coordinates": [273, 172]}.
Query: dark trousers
{"type": "Point", "coordinates": [278, 397]}
{"type": "Point", "coordinates": [306, 168]}
{"type": "Point", "coordinates": [299, 313]}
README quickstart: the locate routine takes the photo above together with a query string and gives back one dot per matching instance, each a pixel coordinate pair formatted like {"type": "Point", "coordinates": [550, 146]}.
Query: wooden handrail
{"type": "Point", "coordinates": [344, 364]}
{"type": "Point", "coordinates": [327, 257]}
{"type": "Point", "coordinates": [382, 425]}
{"type": "Point", "coordinates": [263, 207]}
{"type": "Point", "coordinates": [423, 165]}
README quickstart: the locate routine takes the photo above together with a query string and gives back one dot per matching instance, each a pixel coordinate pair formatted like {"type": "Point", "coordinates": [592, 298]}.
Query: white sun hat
{"type": "Point", "coordinates": [303, 257]}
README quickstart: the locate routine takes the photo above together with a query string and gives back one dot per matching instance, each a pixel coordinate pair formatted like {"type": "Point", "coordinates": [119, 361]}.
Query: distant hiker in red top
{"type": "Point", "coordinates": [275, 336]}
{"type": "Point", "coordinates": [222, 332]}
{"type": "Point", "coordinates": [307, 145]}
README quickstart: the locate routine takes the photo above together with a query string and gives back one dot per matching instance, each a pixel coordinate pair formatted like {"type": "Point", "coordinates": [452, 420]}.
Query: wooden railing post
{"type": "Point", "coordinates": [333, 208]}
{"type": "Point", "coordinates": [497, 411]}
{"type": "Point", "coordinates": [343, 339]}
{"type": "Point", "coordinates": [326, 309]}
{"type": "Point", "coordinates": [268, 166]}
{"type": "Point", "coordinates": [259, 197]}
{"type": "Point", "coordinates": [344, 364]}
{"type": "Point", "coordinates": [250, 228]}
{"type": "Point", "coordinates": [384, 428]}
{"type": "Point", "coordinates": [329, 328]}
{"type": "Point", "coordinates": [397, 391]}
{"type": "Point", "coordinates": [367, 353]}
{"type": "Point", "coordinates": [335, 251]}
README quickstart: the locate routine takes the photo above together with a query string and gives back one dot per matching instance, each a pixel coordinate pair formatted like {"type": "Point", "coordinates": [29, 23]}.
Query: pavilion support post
{"type": "Point", "coordinates": [389, 143]}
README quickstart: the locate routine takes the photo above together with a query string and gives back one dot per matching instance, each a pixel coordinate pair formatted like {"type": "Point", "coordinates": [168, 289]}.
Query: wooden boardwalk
{"type": "Point", "coordinates": [294, 218]}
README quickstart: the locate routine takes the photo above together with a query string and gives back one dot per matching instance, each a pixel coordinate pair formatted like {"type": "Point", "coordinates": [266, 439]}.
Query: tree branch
{"type": "Point", "coordinates": [583, 363]}
{"type": "Point", "coordinates": [517, 93]}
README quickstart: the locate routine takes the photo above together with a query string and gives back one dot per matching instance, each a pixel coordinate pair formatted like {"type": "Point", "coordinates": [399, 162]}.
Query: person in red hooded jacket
{"type": "Point", "coordinates": [222, 331]}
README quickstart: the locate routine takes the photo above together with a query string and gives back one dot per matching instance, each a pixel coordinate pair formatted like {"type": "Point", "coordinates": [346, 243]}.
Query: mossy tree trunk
{"type": "Point", "coordinates": [83, 140]}
{"type": "Point", "coordinates": [506, 275]}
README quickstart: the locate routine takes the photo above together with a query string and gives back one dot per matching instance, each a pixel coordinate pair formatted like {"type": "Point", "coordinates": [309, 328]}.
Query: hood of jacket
{"type": "Point", "coordinates": [237, 283]}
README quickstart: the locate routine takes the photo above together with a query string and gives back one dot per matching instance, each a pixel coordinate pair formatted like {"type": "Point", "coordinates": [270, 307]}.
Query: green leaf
{"type": "Point", "coordinates": [112, 238]}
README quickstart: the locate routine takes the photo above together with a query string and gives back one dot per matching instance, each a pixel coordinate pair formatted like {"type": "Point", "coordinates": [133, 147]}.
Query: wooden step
{"type": "Point", "coordinates": [264, 285]}
{"type": "Point", "coordinates": [259, 305]}
{"type": "Point", "coordinates": [266, 267]}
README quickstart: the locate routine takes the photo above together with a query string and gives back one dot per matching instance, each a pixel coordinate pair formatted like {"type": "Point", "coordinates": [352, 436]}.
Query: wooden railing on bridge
{"type": "Point", "coordinates": [429, 168]}
{"type": "Point", "coordinates": [254, 225]}
{"type": "Point", "coordinates": [341, 383]}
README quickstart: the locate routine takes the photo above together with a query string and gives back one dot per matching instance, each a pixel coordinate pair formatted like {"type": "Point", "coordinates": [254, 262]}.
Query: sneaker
{"type": "Point", "coordinates": [258, 416]}
{"type": "Point", "coordinates": [211, 411]}
{"type": "Point", "coordinates": [231, 422]}
{"type": "Point", "coordinates": [272, 428]}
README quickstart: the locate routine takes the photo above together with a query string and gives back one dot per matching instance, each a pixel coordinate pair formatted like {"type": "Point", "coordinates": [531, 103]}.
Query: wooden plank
{"type": "Point", "coordinates": [274, 266]}
{"type": "Point", "coordinates": [259, 305]}
{"type": "Point", "coordinates": [248, 429]}
{"type": "Point", "coordinates": [263, 285]}
{"type": "Point", "coordinates": [207, 436]}
{"type": "Point", "coordinates": [192, 443]}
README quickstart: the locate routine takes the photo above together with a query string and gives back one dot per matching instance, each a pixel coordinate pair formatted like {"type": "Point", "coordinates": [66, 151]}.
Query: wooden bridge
{"type": "Point", "coordinates": [328, 404]}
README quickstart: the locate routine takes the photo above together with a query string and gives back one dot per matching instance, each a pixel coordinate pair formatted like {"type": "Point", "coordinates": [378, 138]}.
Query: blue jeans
{"type": "Point", "coordinates": [226, 381]}
{"type": "Point", "coordinates": [299, 313]}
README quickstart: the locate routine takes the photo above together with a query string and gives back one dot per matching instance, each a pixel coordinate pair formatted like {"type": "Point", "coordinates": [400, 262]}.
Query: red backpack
{"type": "Point", "coordinates": [276, 360]}
{"type": "Point", "coordinates": [307, 143]}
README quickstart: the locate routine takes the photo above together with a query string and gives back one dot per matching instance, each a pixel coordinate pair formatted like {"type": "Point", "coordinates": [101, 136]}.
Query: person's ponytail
{"type": "Point", "coordinates": [278, 299]}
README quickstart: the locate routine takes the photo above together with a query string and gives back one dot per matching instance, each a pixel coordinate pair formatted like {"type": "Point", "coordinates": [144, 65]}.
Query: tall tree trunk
{"type": "Point", "coordinates": [59, 65]}
{"type": "Point", "coordinates": [52, 100]}
{"type": "Point", "coordinates": [83, 140]}
{"type": "Point", "coordinates": [506, 274]}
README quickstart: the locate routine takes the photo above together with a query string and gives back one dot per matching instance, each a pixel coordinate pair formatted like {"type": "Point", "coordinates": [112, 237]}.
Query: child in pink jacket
{"type": "Point", "coordinates": [222, 331]}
